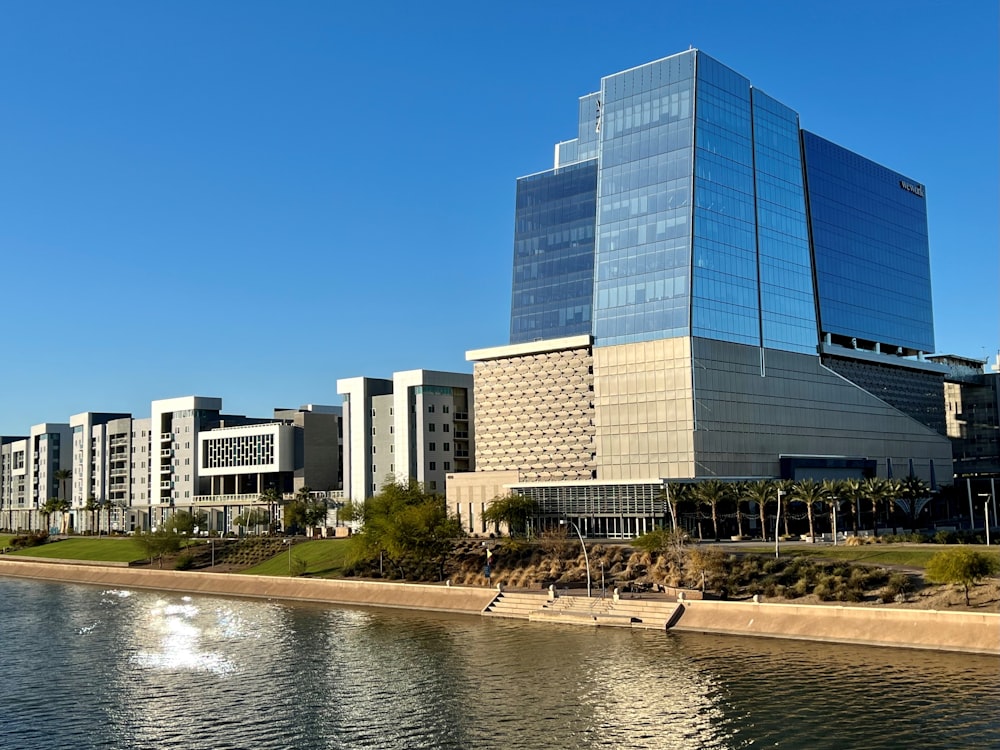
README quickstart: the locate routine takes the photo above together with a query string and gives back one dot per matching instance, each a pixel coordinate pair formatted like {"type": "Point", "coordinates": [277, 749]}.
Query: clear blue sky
{"type": "Point", "coordinates": [252, 199]}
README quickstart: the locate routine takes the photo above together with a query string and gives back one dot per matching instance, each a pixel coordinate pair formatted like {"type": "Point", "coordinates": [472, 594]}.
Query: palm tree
{"type": "Point", "coordinates": [711, 492]}
{"type": "Point", "coordinates": [876, 490]}
{"type": "Point", "coordinates": [912, 490]}
{"type": "Point", "coordinates": [93, 507]}
{"type": "Point", "coordinates": [809, 491]}
{"type": "Point", "coordinates": [850, 490]}
{"type": "Point", "coordinates": [673, 493]}
{"type": "Point", "coordinates": [760, 492]}
{"type": "Point", "coordinates": [833, 493]}
{"type": "Point", "coordinates": [62, 476]}
{"type": "Point", "coordinates": [272, 499]}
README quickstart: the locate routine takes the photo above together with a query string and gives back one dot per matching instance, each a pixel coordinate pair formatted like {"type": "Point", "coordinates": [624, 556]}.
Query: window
{"type": "Point", "coordinates": [432, 446]}
{"type": "Point", "coordinates": [447, 446]}
{"type": "Point", "coordinates": [445, 409]}
{"type": "Point", "coordinates": [374, 469]}
{"type": "Point", "coordinates": [430, 408]}
{"type": "Point", "coordinates": [187, 461]}
{"type": "Point", "coordinates": [434, 485]}
{"type": "Point", "coordinates": [373, 412]}
{"type": "Point", "coordinates": [432, 466]}
{"type": "Point", "coordinates": [447, 465]}
{"type": "Point", "coordinates": [446, 428]}
{"type": "Point", "coordinates": [373, 449]}
{"type": "Point", "coordinates": [374, 488]}
{"type": "Point", "coordinates": [430, 427]}
{"type": "Point", "coordinates": [373, 430]}
{"type": "Point", "coordinates": [392, 449]}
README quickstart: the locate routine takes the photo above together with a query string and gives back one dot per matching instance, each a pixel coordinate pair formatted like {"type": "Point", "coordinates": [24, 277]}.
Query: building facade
{"type": "Point", "coordinates": [702, 289]}
{"type": "Point", "coordinates": [131, 474]}
{"type": "Point", "coordinates": [419, 425]}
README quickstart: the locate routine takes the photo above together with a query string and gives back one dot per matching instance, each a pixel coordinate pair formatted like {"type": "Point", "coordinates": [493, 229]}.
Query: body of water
{"type": "Point", "coordinates": [84, 667]}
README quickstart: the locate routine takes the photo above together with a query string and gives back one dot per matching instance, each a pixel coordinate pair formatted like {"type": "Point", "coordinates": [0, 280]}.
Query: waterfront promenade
{"type": "Point", "coordinates": [969, 632]}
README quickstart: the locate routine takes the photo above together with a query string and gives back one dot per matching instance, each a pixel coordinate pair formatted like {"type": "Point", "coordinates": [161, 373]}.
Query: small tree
{"type": "Point", "coordinates": [156, 544]}
{"type": "Point", "coordinates": [512, 511]}
{"type": "Point", "coordinates": [809, 491]}
{"type": "Point", "coordinates": [961, 564]}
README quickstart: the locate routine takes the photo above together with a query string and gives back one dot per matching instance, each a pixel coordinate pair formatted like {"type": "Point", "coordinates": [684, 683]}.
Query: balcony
{"type": "Point", "coordinates": [166, 485]}
{"type": "Point", "coordinates": [164, 436]}
{"type": "Point", "coordinates": [166, 453]}
{"type": "Point", "coordinates": [166, 469]}
{"type": "Point", "coordinates": [461, 416]}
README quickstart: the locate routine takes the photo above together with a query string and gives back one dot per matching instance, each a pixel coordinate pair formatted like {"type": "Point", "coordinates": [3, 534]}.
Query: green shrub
{"type": "Point", "coordinates": [184, 562]}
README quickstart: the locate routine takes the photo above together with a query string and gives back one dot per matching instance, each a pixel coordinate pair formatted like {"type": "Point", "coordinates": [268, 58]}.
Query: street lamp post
{"type": "Point", "coordinates": [777, 520]}
{"type": "Point", "coordinates": [986, 515]}
{"type": "Point", "coordinates": [586, 557]}
{"type": "Point", "coordinates": [835, 504]}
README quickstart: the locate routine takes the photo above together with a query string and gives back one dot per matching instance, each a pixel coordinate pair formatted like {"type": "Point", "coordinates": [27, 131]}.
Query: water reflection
{"type": "Point", "coordinates": [150, 670]}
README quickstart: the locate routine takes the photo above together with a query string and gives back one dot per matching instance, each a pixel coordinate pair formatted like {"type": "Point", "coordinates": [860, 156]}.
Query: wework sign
{"type": "Point", "coordinates": [912, 188]}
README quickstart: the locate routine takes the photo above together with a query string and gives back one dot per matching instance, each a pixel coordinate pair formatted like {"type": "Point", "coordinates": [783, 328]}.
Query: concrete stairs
{"type": "Point", "coordinates": [515, 605]}
{"type": "Point", "coordinates": [655, 614]}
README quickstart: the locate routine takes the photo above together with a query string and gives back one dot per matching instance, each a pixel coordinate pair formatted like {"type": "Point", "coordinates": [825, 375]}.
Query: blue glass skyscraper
{"type": "Point", "coordinates": [721, 293]}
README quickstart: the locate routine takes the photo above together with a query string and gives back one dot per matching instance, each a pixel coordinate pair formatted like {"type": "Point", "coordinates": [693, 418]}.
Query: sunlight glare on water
{"type": "Point", "coordinates": [147, 670]}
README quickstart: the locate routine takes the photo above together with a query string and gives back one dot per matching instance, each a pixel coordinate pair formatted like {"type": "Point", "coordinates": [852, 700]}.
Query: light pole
{"type": "Point", "coordinates": [289, 543]}
{"type": "Point", "coordinates": [986, 514]}
{"type": "Point", "coordinates": [834, 505]}
{"type": "Point", "coordinates": [586, 557]}
{"type": "Point", "coordinates": [777, 520]}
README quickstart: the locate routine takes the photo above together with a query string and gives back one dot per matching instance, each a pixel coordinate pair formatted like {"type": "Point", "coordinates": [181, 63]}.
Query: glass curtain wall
{"type": "Point", "coordinates": [725, 304]}
{"type": "Point", "coordinates": [642, 285]}
{"type": "Point", "coordinates": [869, 233]}
{"type": "Point", "coordinates": [553, 282]}
{"type": "Point", "coordinates": [788, 308]}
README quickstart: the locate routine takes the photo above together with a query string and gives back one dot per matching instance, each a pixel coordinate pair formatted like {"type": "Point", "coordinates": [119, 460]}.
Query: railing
{"type": "Point", "coordinates": [166, 436]}
{"type": "Point", "coordinates": [244, 499]}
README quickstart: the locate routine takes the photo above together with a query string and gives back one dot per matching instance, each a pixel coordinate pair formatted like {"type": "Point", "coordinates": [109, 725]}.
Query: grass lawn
{"type": "Point", "coordinates": [324, 558]}
{"type": "Point", "coordinates": [89, 548]}
{"type": "Point", "coordinates": [870, 554]}
{"type": "Point", "coordinates": [5, 540]}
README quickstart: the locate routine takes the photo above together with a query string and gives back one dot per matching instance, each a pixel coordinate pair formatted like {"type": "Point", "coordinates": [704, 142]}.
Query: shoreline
{"type": "Point", "coordinates": [967, 632]}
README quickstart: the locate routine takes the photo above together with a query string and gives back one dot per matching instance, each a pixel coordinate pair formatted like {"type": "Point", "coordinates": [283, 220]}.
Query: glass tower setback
{"type": "Point", "coordinates": [725, 303]}
{"type": "Point", "coordinates": [787, 303]}
{"type": "Point", "coordinates": [870, 249]}
{"type": "Point", "coordinates": [553, 282]}
{"type": "Point", "coordinates": [643, 253]}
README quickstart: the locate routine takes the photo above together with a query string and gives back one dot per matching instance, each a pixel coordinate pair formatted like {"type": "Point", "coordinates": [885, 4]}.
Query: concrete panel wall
{"type": "Point", "coordinates": [643, 410]}
{"type": "Point", "coordinates": [746, 416]}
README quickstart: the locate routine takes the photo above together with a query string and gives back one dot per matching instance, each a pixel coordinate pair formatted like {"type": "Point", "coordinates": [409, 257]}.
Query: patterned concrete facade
{"type": "Point", "coordinates": [535, 410]}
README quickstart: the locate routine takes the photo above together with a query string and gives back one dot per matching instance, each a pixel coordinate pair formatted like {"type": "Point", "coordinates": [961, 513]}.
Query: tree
{"type": "Point", "coordinates": [62, 476]}
{"type": "Point", "coordinates": [760, 492]}
{"type": "Point", "coordinates": [785, 486]}
{"type": "Point", "coordinates": [271, 498]}
{"type": "Point", "coordinates": [912, 491]}
{"type": "Point", "coordinates": [408, 526]}
{"type": "Point", "coordinates": [156, 544]}
{"type": "Point", "coordinates": [809, 491]}
{"type": "Point", "coordinates": [876, 490]}
{"type": "Point", "coordinates": [673, 494]}
{"type": "Point", "coordinates": [711, 492]}
{"type": "Point", "coordinates": [252, 517]}
{"type": "Point", "coordinates": [513, 511]}
{"type": "Point", "coordinates": [53, 505]}
{"type": "Point", "coordinates": [183, 522]}
{"type": "Point", "coordinates": [92, 507]}
{"type": "Point", "coordinates": [961, 564]}
{"type": "Point", "coordinates": [851, 491]}
{"type": "Point", "coordinates": [305, 510]}
{"type": "Point", "coordinates": [833, 491]}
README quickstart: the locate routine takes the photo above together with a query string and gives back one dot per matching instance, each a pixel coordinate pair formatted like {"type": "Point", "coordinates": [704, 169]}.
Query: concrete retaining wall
{"type": "Point", "coordinates": [971, 632]}
{"type": "Point", "coordinates": [433, 598]}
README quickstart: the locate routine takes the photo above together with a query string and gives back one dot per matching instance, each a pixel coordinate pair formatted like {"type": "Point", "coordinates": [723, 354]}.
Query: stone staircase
{"type": "Point", "coordinates": [657, 614]}
{"type": "Point", "coordinates": [515, 605]}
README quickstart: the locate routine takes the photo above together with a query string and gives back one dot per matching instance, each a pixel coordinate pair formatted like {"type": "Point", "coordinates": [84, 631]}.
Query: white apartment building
{"type": "Point", "coordinates": [418, 425]}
